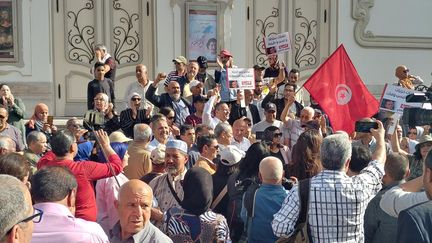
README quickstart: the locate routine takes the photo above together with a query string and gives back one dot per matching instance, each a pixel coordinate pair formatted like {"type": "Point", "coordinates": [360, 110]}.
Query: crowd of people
{"type": "Point", "coordinates": [193, 160]}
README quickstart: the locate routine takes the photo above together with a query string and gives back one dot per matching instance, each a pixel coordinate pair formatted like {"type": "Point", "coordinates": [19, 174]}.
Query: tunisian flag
{"type": "Point", "coordinates": [340, 92]}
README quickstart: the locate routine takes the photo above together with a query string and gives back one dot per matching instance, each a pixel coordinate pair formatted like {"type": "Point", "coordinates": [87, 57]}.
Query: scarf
{"type": "Point", "coordinates": [34, 120]}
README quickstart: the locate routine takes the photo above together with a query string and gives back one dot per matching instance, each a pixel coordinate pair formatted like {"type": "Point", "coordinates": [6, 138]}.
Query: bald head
{"type": "Point", "coordinates": [134, 187]}
{"type": "Point", "coordinates": [271, 170]}
{"type": "Point", "coordinates": [401, 72]}
{"type": "Point", "coordinates": [7, 145]}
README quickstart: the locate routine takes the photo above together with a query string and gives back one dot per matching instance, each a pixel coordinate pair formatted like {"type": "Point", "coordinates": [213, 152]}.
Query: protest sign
{"type": "Point", "coordinates": [393, 99]}
{"type": "Point", "coordinates": [241, 78]}
{"type": "Point", "coordinates": [276, 44]}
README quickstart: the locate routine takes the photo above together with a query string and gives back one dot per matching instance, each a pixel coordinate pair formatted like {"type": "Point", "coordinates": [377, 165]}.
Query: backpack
{"type": "Point", "coordinates": [236, 190]}
{"type": "Point", "coordinates": [301, 231]}
{"type": "Point", "coordinates": [249, 204]}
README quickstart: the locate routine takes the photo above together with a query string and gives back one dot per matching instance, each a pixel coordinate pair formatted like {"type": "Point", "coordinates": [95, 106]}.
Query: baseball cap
{"type": "Point", "coordinates": [177, 144]}
{"type": "Point", "coordinates": [225, 53]}
{"type": "Point", "coordinates": [202, 62]}
{"type": "Point", "coordinates": [157, 155]}
{"type": "Point", "coordinates": [256, 66]}
{"type": "Point", "coordinates": [231, 155]}
{"type": "Point", "coordinates": [180, 59]}
{"type": "Point", "coordinates": [118, 137]}
{"type": "Point", "coordinates": [270, 107]}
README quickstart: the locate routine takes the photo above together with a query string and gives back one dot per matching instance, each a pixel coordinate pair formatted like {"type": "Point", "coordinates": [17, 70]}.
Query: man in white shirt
{"type": "Point", "coordinates": [270, 120]}
{"type": "Point", "coordinates": [222, 111]}
{"type": "Point", "coordinates": [140, 86]}
{"type": "Point", "coordinates": [160, 132]}
{"type": "Point", "coordinates": [239, 127]}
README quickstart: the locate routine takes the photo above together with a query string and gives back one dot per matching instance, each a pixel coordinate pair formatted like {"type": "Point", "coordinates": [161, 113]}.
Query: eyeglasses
{"type": "Point", "coordinates": [406, 71]}
{"type": "Point", "coordinates": [136, 99]}
{"type": "Point", "coordinates": [277, 135]}
{"type": "Point", "coordinates": [170, 117]}
{"type": "Point", "coordinates": [36, 218]}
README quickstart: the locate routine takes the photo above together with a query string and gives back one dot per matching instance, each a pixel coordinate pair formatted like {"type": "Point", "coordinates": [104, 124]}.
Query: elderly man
{"type": "Point", "coordinates": [17, 215]}
{"type": "Point", "coordinates": [336, 202]}
{"type": "Point", "coordinates": [37, 145]}
{"type": "Point", "coordinates": [294, 127]}
{"type": "Point", "coordinates": [404, 79]}
{"type": "Point", "coordinates": [140, 86]}
{"type": "Point", "coordinates": [208, 148]}
{"type": "Point", "coordinates": [102, 56]}
{"type": "Point", "coordinates": [222, 111]}
{"type": "Point", "coordinates": [64, 149]}
{"type": "Point", "coordinates": [10, 131]}
{"type": "Point", "coordinates": [54, 190]}
{"type": "Point", "coordinates": [268, 200]}
{"type": "Point", "coordinates": [224, 135]}
{"type": "Point", "coordinates": [167, 188]}
{"type": "Point", "coordinates": [160, 131]}
{"type": "Point", "coordinates": [366, 139]}
{"type": "Point", "coordinates": [7, 145]}
{"type": "Point", "coordinates": [139, 162]}
{"type": "Point", "coordinates": [239, 140]}
{"type": "Point", "coordinates": [134, 206]}
{"type": "Point", "coordinates": [186, 80]}
{"type": "Point", "coordinates": [171, 99]}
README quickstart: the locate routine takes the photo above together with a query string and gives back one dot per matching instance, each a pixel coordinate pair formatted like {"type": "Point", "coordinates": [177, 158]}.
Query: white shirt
{"type": "Point", "coordinates": [207, 118]}
{"type": "Point", "coordinates": [262, 125]}
{"type": "Point", "coordinates": [153, 144]}
{"type": "Point", "coordinates": [242, 145]}
{"type": "Point", "coordinates": [395, 200]}
{"type": "Point", "coordinates": [137, 87]}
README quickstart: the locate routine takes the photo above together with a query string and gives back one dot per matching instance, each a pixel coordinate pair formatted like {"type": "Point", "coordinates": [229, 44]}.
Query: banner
{"type": "Point", "coordinates": [276, 44]}
{"type": "Point", "coordinates": [340, 92]}
{"type": "Point", "coordinates": [393, 99]}
{"type": "Point", "coordinates": [241, 78]}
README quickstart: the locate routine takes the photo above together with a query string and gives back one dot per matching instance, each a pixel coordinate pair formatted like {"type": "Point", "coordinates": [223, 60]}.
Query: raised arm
{"type": "Point", "coordinates": [281, 77]}
{"type": "Point", "coordinates": [206, 116]}
{"type": "Point", "coordinates": [151, 91]}
{"type": "Point", "coordinates": [396, 145]}
{"type": "Point", "coordinates": [378, 134]}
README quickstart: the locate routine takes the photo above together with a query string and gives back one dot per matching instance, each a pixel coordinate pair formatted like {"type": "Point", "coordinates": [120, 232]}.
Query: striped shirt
{"type": "Point", "coordinates": [337, 204]}
{"type": "Point", "coordinates": [172, 76]}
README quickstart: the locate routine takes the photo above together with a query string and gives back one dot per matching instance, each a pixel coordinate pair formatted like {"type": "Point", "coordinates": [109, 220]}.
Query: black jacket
{"type": "Point", "coordinates": [237, 112]}
{"type": "Point", "coordinates": [280, 105]}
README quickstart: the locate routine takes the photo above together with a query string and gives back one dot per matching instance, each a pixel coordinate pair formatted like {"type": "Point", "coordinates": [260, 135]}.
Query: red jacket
{"type": "Point", "coordinates": [85, 172]}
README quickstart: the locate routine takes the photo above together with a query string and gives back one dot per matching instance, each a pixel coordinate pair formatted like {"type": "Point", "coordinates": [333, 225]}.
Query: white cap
{"type": "Point", "coordinates": [194, 83]}
{"type": "Point", "coordinates": [231, 155]}
{"type": "Point", "coordinates": [177, 144]}
{"type": "Point", "coordinates": [158, 154]}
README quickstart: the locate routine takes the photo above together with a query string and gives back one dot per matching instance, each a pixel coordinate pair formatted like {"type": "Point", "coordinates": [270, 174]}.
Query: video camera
{"type": "Point", "coordinates": [418, 116]}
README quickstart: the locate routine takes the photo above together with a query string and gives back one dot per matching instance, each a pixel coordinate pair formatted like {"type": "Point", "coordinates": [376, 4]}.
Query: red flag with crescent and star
{"type": "Point", "coordinates": [340, 92]}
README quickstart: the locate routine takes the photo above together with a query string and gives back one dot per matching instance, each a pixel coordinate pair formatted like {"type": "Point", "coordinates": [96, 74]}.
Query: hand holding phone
{"type": "Point", "coordinates": [365, 126]}
{"type": "Point", "coordinates": [50, 120]}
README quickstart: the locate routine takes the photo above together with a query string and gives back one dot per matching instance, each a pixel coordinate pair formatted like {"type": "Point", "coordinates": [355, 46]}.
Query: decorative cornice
{"type": "Point", "coordinates": [361, 14]}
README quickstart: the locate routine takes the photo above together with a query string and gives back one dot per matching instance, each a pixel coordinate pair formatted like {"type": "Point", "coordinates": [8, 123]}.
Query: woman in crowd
{"type": "Point", "coordinates": [306, 161]}
{"type": "Point", "coordinates": [239, 182]}
{"type": "Point", "coordinates": [133, 115]}
{"type": "Point", "coordinates": [15, 108]}
{"type": "Point", "coordinates": [416, 160]}
{"type": "Point", "coordinates": [107, 190]}
{"type": "Point", "coordinates": [39, 122]}
{"type": "Point", "coordinates": [194, 221]}
{"type": "Point", "coordinates": [272, 137]}
{"type": "Point", "coordinates": [169, 113]}
{"type": "Point", "coordinates": [110, 120]}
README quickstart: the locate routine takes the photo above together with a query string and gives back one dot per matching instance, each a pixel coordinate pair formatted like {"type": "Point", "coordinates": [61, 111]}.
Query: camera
{"type": "Point", "coordinates": [418, 116]}
{"type": "Point", "coordinates": [94, 118]}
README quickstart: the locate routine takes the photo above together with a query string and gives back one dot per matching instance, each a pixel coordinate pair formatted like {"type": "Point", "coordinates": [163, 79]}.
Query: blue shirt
{"type": "Point", "coordinates": [268, 201]}
{"type": "Point", "coordinates": [227, 94]}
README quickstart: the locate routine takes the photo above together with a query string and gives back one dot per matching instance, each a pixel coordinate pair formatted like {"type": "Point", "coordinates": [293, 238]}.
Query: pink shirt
{"type": "Point", "coordinates": [106, 193]}
{"type": "Point", "coordinates": [59, 225]}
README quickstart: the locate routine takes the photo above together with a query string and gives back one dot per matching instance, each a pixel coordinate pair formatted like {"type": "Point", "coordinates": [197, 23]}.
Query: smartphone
{"type": "Point", "coordinates": [50, 120]}
{"type": "Point", "coordinates": [365, 126]}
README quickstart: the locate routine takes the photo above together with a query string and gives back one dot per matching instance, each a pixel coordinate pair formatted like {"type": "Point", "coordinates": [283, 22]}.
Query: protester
{"type": "Point", "coordinates": [203, 76]}
{"type": "Point", "coordinates": [157, 158]}
{"type": "Point", "coordinates": [134, 206]}
{"type": "Point", "coordinates": [170, 116]}
{"type": "Point", "coordinates": [160, 130]}
{"type": "Point", "coordinates": [224, 135]}
{"type": "Point", "coordinates": [133, 115]}
{"type": "Point", "coordinates": [109, 118]}
{"type": "Point", "coordinates": [37, 146]}
{"type": "Point", "coordinates": [7, 145]}
{"type": "Point", "coordinates": [289, 97]}
{"type": "Point", "coordinates": [17, 215]}
{"type": "Point", "coordinates": [195, 221]}
{"type": "Point", "coordinates": [39, 122]}
{"type": "Point", "coordinates": [270, 120]}
{"type": "Point", "coordinates": [17, 166]}
{"type": "Point", "coordinates": [404, 79]}
{"type": "Point", "coordinates": [208, 148]}
{"type": "Point", "coordinates": [54, 190]}
{"type": "Point", "coordinates": [139, 156]}
{"type": "Point", "coordinates": [221, 111]}
{"type": "Point", "coordinates": [239, 140]}
{"type": "Point", "coordinates": [100, 84]}
{"type": "Point", "coordinates": [360, 158]}
{"type": "Point", "coordinates": [224, 61]}
{"type": "Point", "coordinates": [272, 138]}
{"type": "Point", "coordinates": [140, 87]}
{"type": "Point", "coordinates": [180, 63]}
{"type": "Point", "coordinates": [15, 107]}
{"type": "Point", "coordinates": [102, 56]}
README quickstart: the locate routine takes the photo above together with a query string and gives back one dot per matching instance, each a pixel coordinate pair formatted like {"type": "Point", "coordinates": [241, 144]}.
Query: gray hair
{"type": "Point", "coordinates": [34, 136]}
{"type": "Point", "coordinates": [335, 151]}
{"type": "Point", "coordinates": [13, 205]}
{"type": "Point", "coordinates": [100, 47]}
{"type": "Point", "coordinates": [61, 142]}
{"type": "Point", "coordinates": [104, 97]}
{"type": "Point", "coordinates": [220, 128]}
{"type": "Point", "coordinates": [7, 143]}
{"type": "Point", "coordinates": [310, 110]}
{"type": "Point", "coordinates": [142, 132]}
{"type": "Point", "coordinates": [271, 168]}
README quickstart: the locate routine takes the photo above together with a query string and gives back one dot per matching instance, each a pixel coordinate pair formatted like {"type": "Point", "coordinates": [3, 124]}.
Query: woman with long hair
{"type": "Point", "coordinates": [306, 161]}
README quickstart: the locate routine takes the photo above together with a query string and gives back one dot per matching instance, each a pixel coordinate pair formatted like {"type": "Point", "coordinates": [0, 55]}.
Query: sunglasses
{"type": "Point", "coordinates": [406, 71]}
{"type": "Point", "coordinates": [136, 99]}
{"type": "Point", "coordinates": [277, 135]}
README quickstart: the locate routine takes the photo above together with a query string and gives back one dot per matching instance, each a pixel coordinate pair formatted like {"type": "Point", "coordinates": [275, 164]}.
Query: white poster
{"type": "Point", "coordinates": [276, 44]}
{"type": "Point", "coordinates": [394, 99]}
{"type": "Point", "coordinates": [241, 78]}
